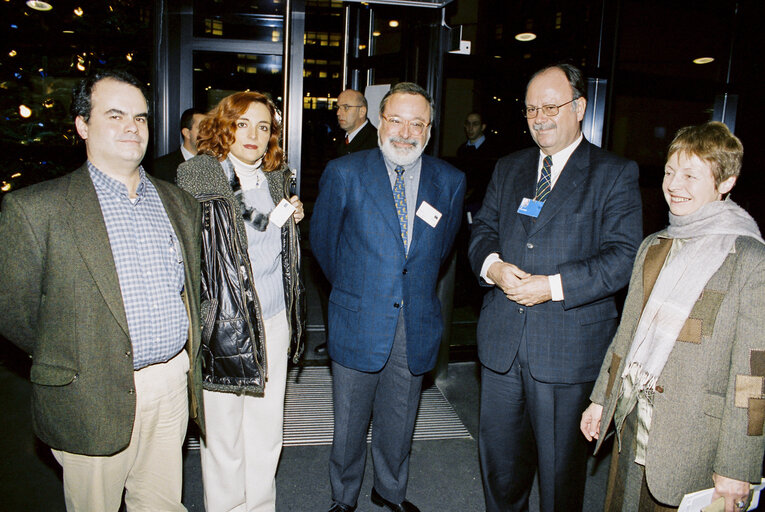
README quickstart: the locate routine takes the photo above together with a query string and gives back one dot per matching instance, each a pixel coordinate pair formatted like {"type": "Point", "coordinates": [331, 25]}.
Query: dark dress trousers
{"type": "Point", "coordinates": [539, 362]}
{"type": "Point", "coordinates": [365, 139]}
{"type": "Point", "coordinates": [384, 317]}
{"type": "Point", "coordinates": [166, 167]}
{"type": "Point", "coordinates": [61, 302]}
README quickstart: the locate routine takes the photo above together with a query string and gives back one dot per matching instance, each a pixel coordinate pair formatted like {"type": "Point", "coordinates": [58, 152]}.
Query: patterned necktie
{"type": "Point", "coordinates": [544, 184]}
{"type": "Point", "coordinates": [399, 196]}
{"type": "Point", "coordinates": [347, 140]}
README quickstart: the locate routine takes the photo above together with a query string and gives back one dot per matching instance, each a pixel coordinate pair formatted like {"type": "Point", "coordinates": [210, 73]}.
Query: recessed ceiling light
{"type": "Point", "coordinates": [703, 60]}
{"type": "Point", "coordinates": [39, 5]}
{"type": "Point", "coordinates": [525, 36]}
{"type": "Point", "coordinates": [393, 23]}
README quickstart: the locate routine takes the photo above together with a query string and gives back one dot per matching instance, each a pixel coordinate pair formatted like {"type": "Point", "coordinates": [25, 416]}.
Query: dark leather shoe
{"type": "Point", "coordinates": [321, 349]}
{"type": "Point", "coordinates": [341, 507]}
{"type": "Point", "coordinates": [404, 506]}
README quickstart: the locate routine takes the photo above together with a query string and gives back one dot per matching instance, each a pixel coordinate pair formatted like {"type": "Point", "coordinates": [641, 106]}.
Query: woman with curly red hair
{"type": "Point", "coordinates": [252, 297]}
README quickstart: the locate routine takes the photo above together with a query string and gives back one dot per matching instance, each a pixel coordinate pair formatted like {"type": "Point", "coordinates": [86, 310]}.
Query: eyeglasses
{"type": "Point", "coordinates": [345, 108]}
{"type": "Point", "coordinates": [549, 110]}
{"type": "Point", "coordinates": [416, 127]}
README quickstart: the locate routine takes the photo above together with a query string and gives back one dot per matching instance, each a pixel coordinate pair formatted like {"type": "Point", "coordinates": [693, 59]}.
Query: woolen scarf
{"type": "Point", "coordinates": [707, 235]}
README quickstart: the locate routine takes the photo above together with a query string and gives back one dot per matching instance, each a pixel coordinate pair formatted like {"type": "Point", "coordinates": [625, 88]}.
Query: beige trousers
{"type": "Point", "coordinates": [244, 435]}
{"type": "Point", "coordinates": [150, 469]}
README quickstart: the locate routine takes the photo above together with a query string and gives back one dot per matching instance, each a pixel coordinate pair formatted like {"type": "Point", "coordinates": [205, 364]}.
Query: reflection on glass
{"type": "Point", "coordinates": [217, 74]}
{"type": "Point", "coordinates": [51, 51]}
{"type": "Point", "coordinates": [261, 20]}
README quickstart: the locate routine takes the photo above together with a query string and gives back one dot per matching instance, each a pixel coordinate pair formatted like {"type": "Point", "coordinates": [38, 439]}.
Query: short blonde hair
{"type": "Point", "coordinates": [714, 143]}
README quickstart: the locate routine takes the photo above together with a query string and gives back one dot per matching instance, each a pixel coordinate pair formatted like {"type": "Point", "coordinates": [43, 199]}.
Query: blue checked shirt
{"type": "Point", "coordinates": [149, 264]}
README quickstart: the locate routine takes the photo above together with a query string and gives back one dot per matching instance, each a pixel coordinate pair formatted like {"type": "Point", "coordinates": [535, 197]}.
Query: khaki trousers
{"type": "Point", "coordinates": [150, 469]}
{"type": "Point", "coordinates": [243, 440]}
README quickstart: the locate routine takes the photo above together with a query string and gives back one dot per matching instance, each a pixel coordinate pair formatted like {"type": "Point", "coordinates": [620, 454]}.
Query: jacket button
{"type": "Point", "coordinates": [127, 353]}
{"type": "Point", "coordinates": [404, 271]}
{"type": "Point", "coordinates": [396, 305]}
{"type": "Point", "coordinates": [529, 245]}
{"type": "Point", "coordinates": [131, 391]}
{"type": "Point", "coordinates": [659, 389]}
{"type": "Point", "coordinates": [520, 310]}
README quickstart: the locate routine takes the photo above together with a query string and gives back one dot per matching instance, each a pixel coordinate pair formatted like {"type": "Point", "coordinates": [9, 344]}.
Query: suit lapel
{"type": "Point", "coordinates": [89, 233]}
{"type": "Point", "coordinates": [654, 261]}
{"type": "Point", "coordinates": [525, 186]}
{"type": "Point", "coordinates": [572, 176]}
{"type": "Point", "coordinates": [428, 190]}
{"type": "Point", "coordinates": [380, 194]}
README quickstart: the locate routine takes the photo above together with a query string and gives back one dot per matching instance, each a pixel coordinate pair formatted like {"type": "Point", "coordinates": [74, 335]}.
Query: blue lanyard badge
{"type": "Point", "coordinates": [530, 207]}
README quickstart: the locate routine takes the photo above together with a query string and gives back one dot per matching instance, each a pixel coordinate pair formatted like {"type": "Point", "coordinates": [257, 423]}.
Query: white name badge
{"type": "Point", "coordinates": [428, 214]}
{"type": "Point", "coordinates": [281, 213]}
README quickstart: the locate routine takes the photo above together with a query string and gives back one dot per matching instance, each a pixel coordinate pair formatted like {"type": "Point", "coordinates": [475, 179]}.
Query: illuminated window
{"type": "Point", "coordinates": [213, 27]}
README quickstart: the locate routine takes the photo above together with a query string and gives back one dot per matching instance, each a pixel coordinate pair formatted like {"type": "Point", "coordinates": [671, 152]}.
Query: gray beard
{"type": "Point", "coordinates": [402, 157]}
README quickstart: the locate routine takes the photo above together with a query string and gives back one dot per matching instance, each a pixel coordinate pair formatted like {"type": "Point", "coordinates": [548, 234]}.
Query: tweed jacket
{"type": "Point", "coordinates": [588, 232]}
{"type": "Point", "coordinates": [708, 408]}
{"type": "Point", "coordinates": [61, 303]}
{"type": "Point", "coordinates": [356, 238]}
{"type": "Point", "coordinates": [203, 176]}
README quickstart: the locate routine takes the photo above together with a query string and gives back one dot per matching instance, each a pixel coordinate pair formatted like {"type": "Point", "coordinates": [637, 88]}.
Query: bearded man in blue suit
{"type": "Point", "coordinates": [382, 226]}
{"type": "Point", "coordinates": [555, 238]}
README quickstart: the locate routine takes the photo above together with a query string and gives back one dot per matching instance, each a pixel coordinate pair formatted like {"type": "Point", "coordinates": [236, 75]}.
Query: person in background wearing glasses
{"type": "Point", "coordinates": [359, 134]}
{"type": "Point", "coordinates": [555, 239]}
{"type": "Point", "coordinates": [382, 226]}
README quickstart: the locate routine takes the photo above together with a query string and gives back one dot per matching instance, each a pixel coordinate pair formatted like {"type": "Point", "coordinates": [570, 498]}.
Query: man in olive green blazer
{"type": "Point", "coordinates": [64, 303]}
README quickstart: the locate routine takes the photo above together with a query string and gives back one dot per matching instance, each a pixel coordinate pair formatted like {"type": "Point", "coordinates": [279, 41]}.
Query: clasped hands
{"type": "Point", "coordinates": [519, 286]}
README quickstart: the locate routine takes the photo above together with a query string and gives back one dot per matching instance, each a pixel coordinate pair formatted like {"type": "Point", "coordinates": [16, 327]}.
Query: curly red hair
{"type": "Point", "coordinates": [217, 130]}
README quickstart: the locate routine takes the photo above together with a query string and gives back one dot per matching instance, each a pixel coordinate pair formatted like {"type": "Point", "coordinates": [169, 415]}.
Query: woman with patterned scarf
{"type": "Point", "coordinates": [252, 297]}
{"type": "Point", "coordinates": [682, 381]}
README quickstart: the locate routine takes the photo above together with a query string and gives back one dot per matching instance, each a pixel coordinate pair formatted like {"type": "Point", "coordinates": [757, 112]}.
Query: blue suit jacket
{"type": "Point", "coordinates": [588, 232]}
{"type": "Point", "coordinates": [356, 238]}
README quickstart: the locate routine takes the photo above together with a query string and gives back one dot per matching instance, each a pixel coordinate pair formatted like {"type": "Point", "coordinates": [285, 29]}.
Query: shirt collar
{"type": "Point", "coordinates": [560, 158]}
{"type": "Point", "coordinates": [106, 183]}
{"type": "Point", "coordinates": [187, 155]}
{"type": "Point", "coordinates": [477, 143]}
{"type": "Point", "coordinates": [356, 131]}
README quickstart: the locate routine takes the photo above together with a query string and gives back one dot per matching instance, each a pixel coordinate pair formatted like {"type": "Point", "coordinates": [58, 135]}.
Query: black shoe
{"type": "Point", "coordinates": [321, 349]}
{"type": "Point", "coordinates": [404, 506]}
{"type": "Point", "coordinates": [341, 507]}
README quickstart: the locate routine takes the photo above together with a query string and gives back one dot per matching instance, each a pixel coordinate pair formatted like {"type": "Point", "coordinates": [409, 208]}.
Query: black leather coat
{"type": "Point", "coordinates": [233, 341]}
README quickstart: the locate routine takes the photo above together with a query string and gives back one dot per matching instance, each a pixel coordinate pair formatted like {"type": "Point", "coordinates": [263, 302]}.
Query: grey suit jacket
{"type": "Point", "coordinates": [61, 303]}
{"type": "Point", "coordinates": [709, 405]}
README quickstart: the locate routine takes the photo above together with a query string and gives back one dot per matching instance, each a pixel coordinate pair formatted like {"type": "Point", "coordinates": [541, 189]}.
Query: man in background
{"type": "Point", "coordinates": [476, 157]}
{"type": "Point", "coordinates": [359, 134]}
{"type": "Point", "coordinates": [166, 167]}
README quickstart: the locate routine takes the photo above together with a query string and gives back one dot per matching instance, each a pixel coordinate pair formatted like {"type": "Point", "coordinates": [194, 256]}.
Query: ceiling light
{"type": "Point", "coordinates": [703, 60]}
{"type": "Point", "coordinates": [393, 23]}
{"type": "Point", "coordinates": [12, 53]}
{"type": "Point", "coordinates": [78, 11]}
{"type": "Point", "coordinates": [376, 33]}
{"type": "Point", "coordinates": [39, 5]}
{"type": "Point", "coordinates": [25, 111]}
{"type": "Point", "coordinates": [525, 36]}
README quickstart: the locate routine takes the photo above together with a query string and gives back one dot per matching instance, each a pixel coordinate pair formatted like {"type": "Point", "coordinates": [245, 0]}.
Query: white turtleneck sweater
{"type": "Point", "coordinates": [263, 247]}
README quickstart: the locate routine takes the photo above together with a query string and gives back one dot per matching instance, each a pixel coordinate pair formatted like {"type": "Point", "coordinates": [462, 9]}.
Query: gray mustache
{"type": "Point", "coordinates": [402, 140]}
{"type": "Point", "coordinates": [544, 126]}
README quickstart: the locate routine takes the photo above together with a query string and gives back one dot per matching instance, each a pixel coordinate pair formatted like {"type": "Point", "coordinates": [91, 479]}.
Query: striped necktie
{"type": "Point", "coordinates": [544, 184]}
{"type": "Point", "coordinates": [399, 196]}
